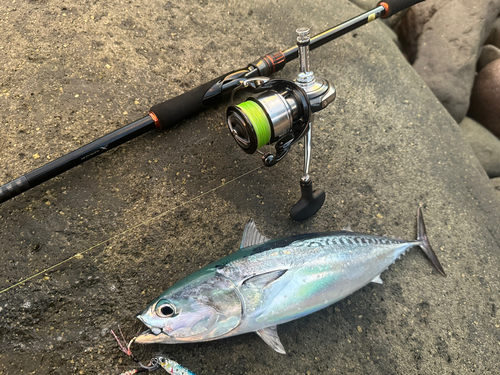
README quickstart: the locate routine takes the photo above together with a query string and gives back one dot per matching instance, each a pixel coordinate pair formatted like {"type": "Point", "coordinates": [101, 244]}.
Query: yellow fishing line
{"type": "Point", "coordinates": [147, 221]}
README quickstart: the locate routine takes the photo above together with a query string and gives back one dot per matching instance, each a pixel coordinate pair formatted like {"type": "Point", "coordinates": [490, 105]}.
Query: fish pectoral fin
{"type": "Point", "coordinates": [263, 280]}
{"type": "Point", "coordinates": [252, 236]}
{"type": "Point", "coordinates": [270, 337]}
{"type": "Point", "coordinates": [377, 280]}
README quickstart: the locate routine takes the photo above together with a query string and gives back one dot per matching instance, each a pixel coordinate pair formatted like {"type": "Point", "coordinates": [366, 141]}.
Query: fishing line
{"type": "Point", "coordinates": [147, 221]}
{"type": "Point", "coordinates": [259, 121]}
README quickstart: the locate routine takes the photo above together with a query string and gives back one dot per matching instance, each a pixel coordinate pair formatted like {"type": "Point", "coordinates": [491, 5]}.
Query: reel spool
{"type": "Point", "coordinates": [282, 112]}
{"type": "Point", "coordinates": [279, 113]}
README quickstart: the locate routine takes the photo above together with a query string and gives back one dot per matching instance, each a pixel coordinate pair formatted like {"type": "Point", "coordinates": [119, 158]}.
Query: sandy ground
{"type": "Point", "coordinates": [126, 225]}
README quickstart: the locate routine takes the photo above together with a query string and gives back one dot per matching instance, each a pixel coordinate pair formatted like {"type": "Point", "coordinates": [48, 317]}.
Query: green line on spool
{"type": "Point", "coordinates": [258, 120]}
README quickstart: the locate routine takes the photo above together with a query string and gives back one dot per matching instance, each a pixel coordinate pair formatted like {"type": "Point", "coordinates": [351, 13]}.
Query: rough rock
{"type": "Point", "coordinates": [488, 54]}
{"type": "Point", "coordinates": [484, 144]}
{"type": "Point", "coordinates": [448, 35]}
{"type": "Point", "coordinates": [365, 4]}
{"type": "Point", "coordinates": [142, 216]}
{"type": "Point", "coordinates": [485, 98]}
{"type": "Point", "coordinates": [411, 26]}
{"type": "Point", "coordinates": [391, 34]}
{"type": "Point", "coordinates": [496, 185]}
{"type": "Point", "coordinates": [494, 37]}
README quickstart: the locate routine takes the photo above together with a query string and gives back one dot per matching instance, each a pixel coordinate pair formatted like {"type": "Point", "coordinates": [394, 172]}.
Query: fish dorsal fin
{"type": "Point", "coordinates": [347, 228]}
{"type": "Point", "coordinates": [252, 236]}
{"type": "Point", "coordinates": [270, 337]}
{"type": "Point", "coordinates": [377, 280]}
{"type": "Point", "coordinates": [263, 280]}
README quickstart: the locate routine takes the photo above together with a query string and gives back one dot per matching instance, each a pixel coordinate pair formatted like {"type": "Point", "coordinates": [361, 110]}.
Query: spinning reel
{"type": "Point", "coordinates": [281, 112]}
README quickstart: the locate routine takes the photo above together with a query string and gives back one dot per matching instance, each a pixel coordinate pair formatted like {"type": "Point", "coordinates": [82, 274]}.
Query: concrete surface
{"type": "Point", "coordinates": [73, 71]}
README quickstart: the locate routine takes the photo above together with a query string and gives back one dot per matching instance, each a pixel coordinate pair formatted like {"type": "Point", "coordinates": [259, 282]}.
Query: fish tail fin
{"type": "Point", "coordinates": [424, 243]}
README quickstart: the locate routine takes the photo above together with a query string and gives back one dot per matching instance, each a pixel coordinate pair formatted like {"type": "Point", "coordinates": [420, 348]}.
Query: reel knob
{"type": "Point", "coordinates": [309, 203]}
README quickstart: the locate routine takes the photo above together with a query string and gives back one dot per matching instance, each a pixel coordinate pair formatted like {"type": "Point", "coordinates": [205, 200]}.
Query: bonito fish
{"type": "Point", "coordinates": [270, 282]}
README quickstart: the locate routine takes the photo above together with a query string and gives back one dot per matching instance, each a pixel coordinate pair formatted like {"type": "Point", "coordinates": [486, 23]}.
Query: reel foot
{"type": "Point", "coordinates": [310, 202]}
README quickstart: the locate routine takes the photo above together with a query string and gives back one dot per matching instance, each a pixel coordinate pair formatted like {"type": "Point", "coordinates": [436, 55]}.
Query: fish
{"type": "Point", "coordinates": [266, 283]}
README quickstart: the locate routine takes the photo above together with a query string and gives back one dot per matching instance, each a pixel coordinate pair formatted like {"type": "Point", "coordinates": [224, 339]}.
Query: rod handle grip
{"type": "Point", "coordinates": [172, 111]}
{"type": "Point", "coordinates": [395, 6]}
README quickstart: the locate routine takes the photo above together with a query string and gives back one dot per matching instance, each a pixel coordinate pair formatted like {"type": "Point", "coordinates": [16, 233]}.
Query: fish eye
{"type": "Point", "coordinates": [165, 310]}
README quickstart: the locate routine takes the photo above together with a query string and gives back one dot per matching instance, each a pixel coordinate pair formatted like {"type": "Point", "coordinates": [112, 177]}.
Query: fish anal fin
{"type": "Point", "coordinates": [377, 280]}
{"type": "Point", "coordinates": [270, 337]}
{"type": "Point", "coordinates": [263, 280]}
{"type": "Point", "coordinates": [252, 236]}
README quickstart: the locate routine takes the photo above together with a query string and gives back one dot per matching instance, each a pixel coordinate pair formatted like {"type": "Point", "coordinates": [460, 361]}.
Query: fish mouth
{"type": "Point", "coordinates": [150, 337]}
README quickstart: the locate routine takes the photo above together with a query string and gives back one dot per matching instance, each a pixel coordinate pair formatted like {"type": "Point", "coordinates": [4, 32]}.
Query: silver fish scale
{"type": "Point", "coordinates": [350, 246]}
{"type": "Point", "coordinates": [268, 261]}
{"type": "Point", "coordinates": [320, 270]}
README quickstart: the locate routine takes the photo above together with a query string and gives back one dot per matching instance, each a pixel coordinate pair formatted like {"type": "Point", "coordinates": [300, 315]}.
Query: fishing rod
{"type": "Point", "coordinates": [281, 112]}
